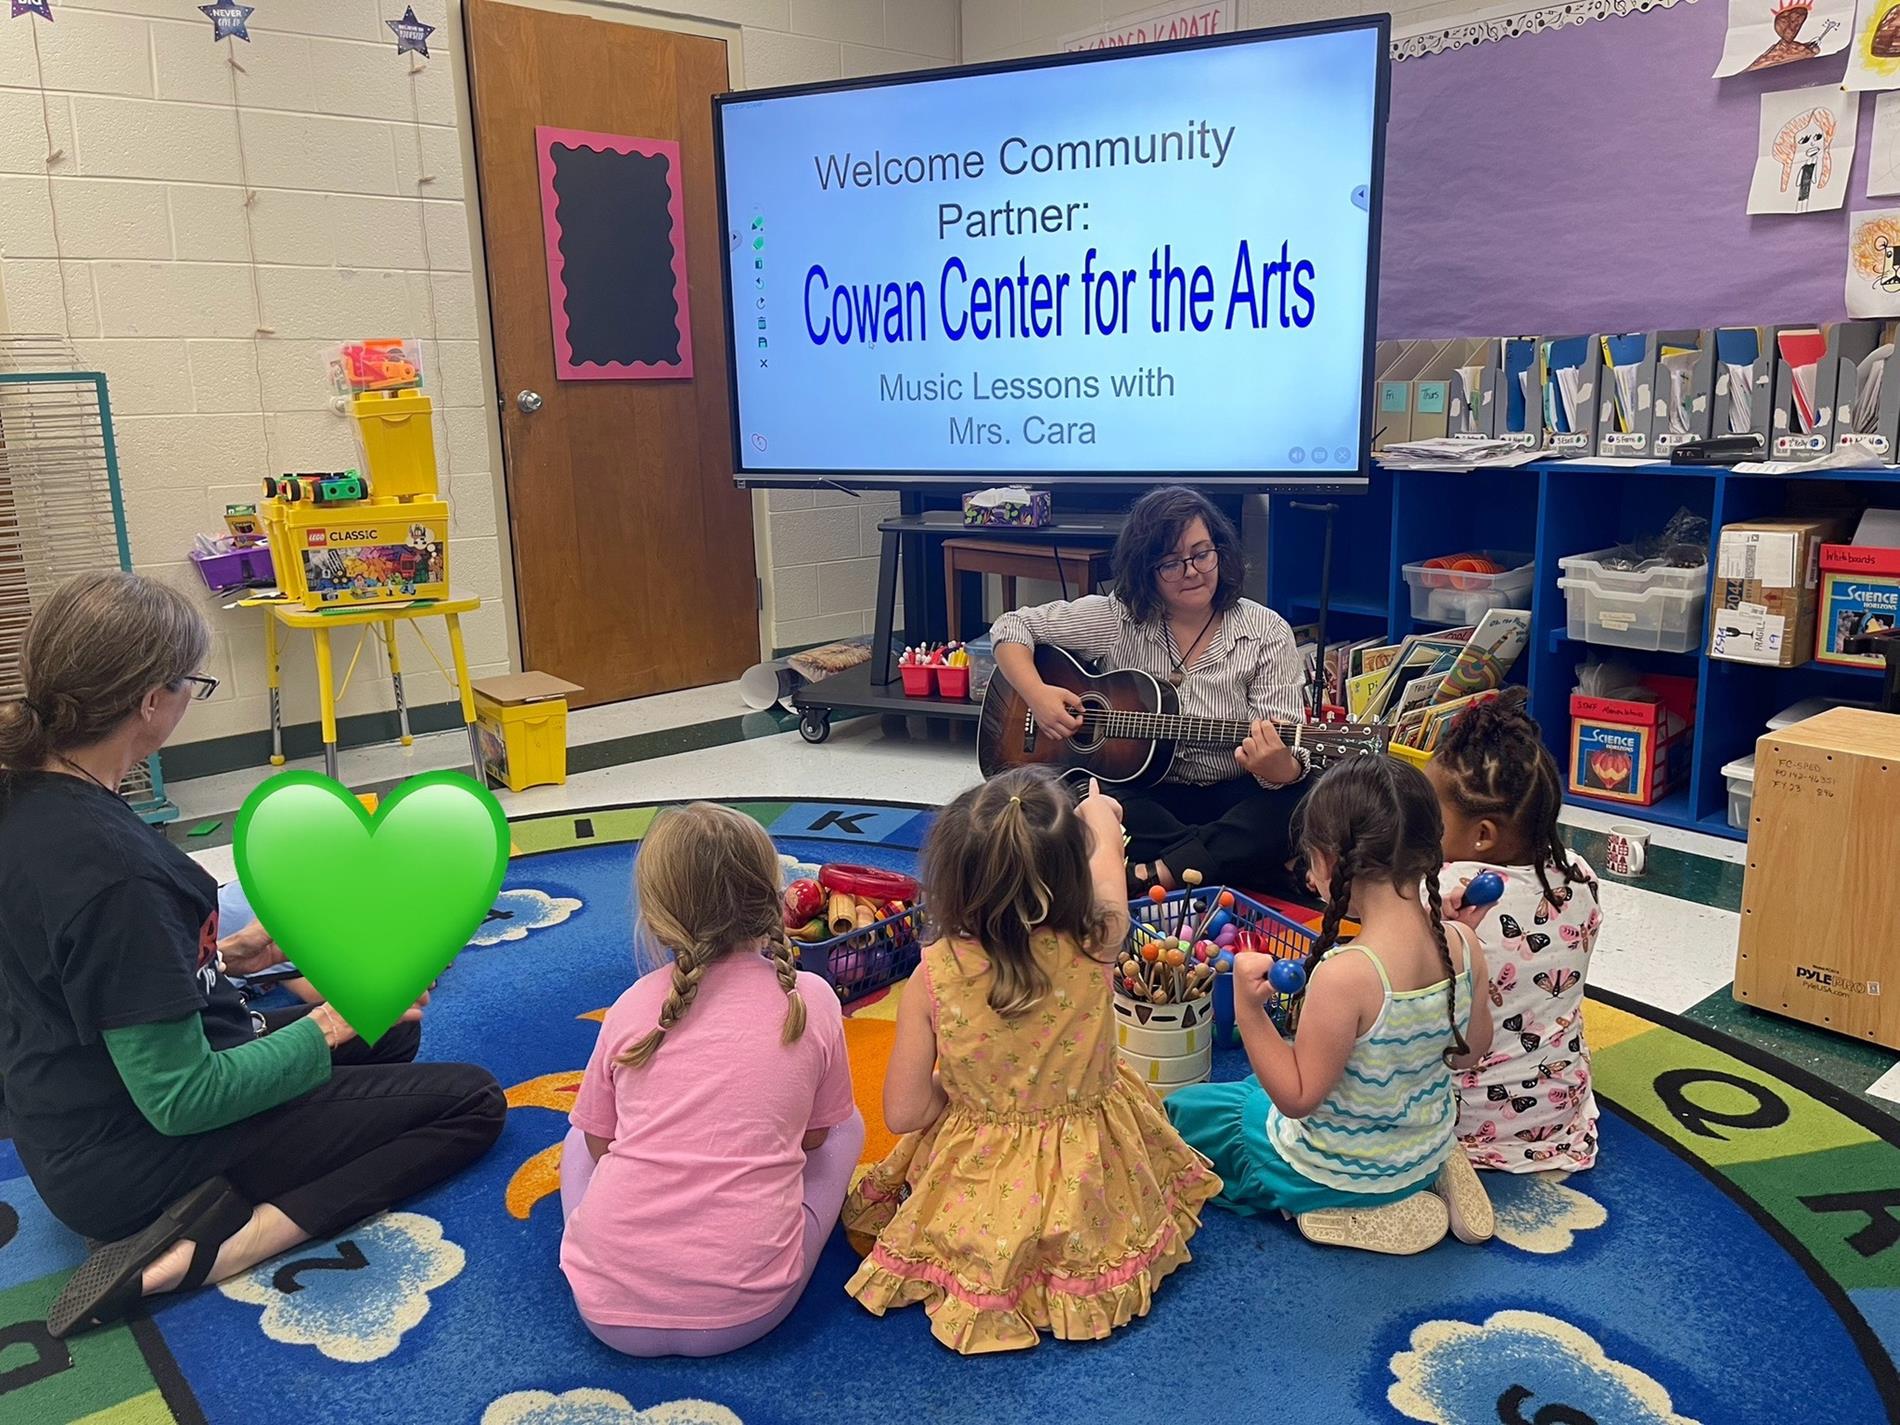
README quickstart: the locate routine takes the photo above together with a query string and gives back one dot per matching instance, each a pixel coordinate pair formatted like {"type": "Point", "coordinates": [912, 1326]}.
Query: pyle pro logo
{"type": "Point", "coordinates": [1832, 982]}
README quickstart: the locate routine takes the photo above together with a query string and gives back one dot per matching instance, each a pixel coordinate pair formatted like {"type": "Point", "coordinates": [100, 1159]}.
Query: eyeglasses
{"type": "Point", "coordinates": [1174, 570]}
{"type": "Point", "coordinates": [202, 685]}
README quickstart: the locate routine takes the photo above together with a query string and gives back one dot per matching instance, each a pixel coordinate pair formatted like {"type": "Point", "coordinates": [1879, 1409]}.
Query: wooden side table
{"type": "Point", "coordinates": [1080, 568]}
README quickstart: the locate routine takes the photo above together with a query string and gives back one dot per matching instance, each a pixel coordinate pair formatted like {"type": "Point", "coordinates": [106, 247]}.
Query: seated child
{"type": "Point", "coordinates": [234, 909]}
{"type": "Point", "coordinates": [1350, 1127]}
{"type": "Point", "coordinates": [1526, 1106]}
{"type": "Point", "coordinates": [714, 1133]}
{"type": "Point", "coordinates": [1038, 1187]}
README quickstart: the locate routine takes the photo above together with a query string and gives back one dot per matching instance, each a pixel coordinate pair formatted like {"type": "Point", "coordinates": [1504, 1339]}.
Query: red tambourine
{"type": "Point", "coordinates": [868, 882]}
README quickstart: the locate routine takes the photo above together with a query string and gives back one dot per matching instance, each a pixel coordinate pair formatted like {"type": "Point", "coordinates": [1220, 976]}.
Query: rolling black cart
{"type": "Point", "coordinates": [875, 686]}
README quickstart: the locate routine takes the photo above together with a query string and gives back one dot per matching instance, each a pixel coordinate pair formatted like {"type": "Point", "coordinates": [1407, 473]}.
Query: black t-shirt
{"type": "Point", "coordinates": [103, 924]}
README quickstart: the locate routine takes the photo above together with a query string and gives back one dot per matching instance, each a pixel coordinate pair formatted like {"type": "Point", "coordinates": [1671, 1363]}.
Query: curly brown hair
{"type": "Point", "coordinates": [1006, 860]}
{"type": "Point", "coordinates": [1149, 535]}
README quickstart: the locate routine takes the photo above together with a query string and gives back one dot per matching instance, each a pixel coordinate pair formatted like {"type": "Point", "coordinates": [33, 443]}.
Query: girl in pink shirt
{"type": "Point", "coordinates": [710, 1150]}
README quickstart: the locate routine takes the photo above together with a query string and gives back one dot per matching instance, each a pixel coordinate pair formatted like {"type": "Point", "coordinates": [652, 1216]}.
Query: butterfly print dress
{"type": "Point", "coordinates": [1527, 1106]}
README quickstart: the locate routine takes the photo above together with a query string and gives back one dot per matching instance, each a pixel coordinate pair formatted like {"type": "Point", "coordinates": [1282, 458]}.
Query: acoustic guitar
{"type": "Point", "coordinates": [1131, 726]}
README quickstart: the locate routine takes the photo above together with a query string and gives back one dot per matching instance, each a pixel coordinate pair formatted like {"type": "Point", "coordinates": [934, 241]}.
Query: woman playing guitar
{"type": "Point", "coordinates": [1177, 613]}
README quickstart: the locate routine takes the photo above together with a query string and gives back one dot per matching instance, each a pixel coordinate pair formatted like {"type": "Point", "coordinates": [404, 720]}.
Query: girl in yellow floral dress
{"type": "Point", "coordinates": [1039, 1186]}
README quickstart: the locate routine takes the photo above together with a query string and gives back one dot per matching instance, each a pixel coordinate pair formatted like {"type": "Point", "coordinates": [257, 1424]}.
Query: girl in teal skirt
{"type": "Point", "coordinates": [1349, 1128]}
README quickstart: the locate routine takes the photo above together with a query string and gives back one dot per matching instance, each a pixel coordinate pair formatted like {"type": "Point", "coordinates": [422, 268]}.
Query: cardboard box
{"type": "Point", "coordinates": [1631, 750]}
{"type": "Point", "coordinates": [1517, 406]}
{"type": "Point", "coordinates": [1579, 360]}
{"type": "Point", "coordinates": [1767, 590]}
{"type": "Point", "coordinates": [1474, 387]}
{"type": "Point", "coordinates": [1860, 592]}
{"type": "Point", "coordinates": [1745, 365]}
{"type": "Point", "coordinates": [1847, 345]}
{"type": "Point", "coordinates": [1682, 412]}
{"type": "Point", "coordinates": [1007, 505]}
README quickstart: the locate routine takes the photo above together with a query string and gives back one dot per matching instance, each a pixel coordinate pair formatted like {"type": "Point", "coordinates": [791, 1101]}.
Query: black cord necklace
{"type": "Point", "coordinates": [1179, 675]}
{"type": "Point", "coordinates": [84, 773]}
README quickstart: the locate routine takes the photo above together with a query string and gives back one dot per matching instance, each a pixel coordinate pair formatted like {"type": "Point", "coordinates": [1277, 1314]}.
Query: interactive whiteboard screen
{"type": "Point", "coordinates": [1124, 263]}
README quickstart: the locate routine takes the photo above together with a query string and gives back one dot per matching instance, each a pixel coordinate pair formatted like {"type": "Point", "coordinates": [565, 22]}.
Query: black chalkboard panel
{"type": "Point", "coordinates": [611, 212]}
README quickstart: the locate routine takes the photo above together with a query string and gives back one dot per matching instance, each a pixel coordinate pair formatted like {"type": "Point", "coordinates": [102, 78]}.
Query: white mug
{"type": "Point", "coordinates": [1628, 851]}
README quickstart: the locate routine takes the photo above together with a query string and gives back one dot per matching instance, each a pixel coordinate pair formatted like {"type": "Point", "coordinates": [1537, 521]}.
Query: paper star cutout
{"type": "Point", "coordinates": [42, 8]}
{"type": "Point", "coordinates": [228, 20]}
{"type": "Point", "coordinates": [412, 36]}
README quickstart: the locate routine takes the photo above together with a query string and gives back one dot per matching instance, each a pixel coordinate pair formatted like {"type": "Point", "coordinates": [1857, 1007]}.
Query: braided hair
{"type": "Point", "coordinates": [1376, 819]}
{"type": "Point", "coordinates": [1492, 762]}
{"type": "Point", "coordinates": [708, 882]}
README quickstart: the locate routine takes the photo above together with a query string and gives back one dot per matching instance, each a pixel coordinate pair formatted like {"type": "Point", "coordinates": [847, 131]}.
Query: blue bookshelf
{"type": "Point", "coordinates": [1554, 509]}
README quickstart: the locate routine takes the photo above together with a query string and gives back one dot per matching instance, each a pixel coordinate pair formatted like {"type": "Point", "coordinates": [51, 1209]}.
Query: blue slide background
{"type": "Point", "coordinates": [1275, 398]}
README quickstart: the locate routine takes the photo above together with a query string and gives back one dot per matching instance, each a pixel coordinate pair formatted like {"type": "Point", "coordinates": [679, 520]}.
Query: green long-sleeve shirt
{"type": "Point", "coordinates": [183, 1086]}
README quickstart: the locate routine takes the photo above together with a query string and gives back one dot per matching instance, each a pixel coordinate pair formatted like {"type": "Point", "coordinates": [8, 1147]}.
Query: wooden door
{"type": "Point", "coordinates": [632, 547]}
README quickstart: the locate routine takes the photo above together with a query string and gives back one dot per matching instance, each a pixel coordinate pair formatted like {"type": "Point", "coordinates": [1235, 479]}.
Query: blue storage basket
{"type": "Point", "coordinates": [1282, 938]}
{"type": "Point", "coordinates": [865, 960]}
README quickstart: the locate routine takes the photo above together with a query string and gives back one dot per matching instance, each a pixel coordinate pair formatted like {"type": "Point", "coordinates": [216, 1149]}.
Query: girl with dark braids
{"type": "Point", "coordinates": [1349, 1128]}
{"type": "Point", "coordinates": [714, 1131]}
{"type": "Point", "coordinates": [1527, 1105]}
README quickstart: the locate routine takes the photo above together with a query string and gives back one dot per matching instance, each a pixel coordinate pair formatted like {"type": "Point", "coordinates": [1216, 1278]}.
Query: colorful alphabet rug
{"type": "Point", "coordinates": [1734, 1258]}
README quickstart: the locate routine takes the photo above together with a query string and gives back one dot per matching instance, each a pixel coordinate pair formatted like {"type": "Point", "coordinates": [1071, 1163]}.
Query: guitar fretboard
{"type": "Point", "coordinates": [1176, 727]}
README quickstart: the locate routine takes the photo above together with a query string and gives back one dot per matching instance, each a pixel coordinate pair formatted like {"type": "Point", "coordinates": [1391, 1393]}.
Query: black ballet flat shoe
{"type": "Point", "coordinates": [109, 1284]}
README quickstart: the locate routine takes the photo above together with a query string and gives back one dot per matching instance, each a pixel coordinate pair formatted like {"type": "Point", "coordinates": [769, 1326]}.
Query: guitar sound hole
{"type": "Point", "coordinates": [1090, 735]}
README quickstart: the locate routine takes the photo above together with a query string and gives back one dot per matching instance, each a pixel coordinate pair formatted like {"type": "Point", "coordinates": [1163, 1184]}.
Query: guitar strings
{"type": "Point", "coordinates": [1110, 719]}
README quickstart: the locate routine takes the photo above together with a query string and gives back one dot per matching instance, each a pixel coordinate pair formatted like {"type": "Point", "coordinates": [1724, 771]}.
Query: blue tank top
{"type": "Point", "coordinates": [1388, 1123]}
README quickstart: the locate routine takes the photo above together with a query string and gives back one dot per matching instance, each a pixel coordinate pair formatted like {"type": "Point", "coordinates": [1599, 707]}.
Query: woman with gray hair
{"type": "Point", "coordinates": [155, 1112]}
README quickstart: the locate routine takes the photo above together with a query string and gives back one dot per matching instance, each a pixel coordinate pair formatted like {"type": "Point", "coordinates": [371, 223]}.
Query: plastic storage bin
{"type": "Point", "coordinates": [982, 666]}
{"type": "Point", "coordinates": [1457, 596]}
{"type": "Point", "coordinates": [1651, 574]}
{"type": "Point", "coordinates": [236, 568]}
{"type": "Point", "coordinates": [1653, 607]}
{"type": "Point", "coordinates": [521, 721]}
{"type": "Point", "coordinates": [398, 440]}
{"type": "Point", "coordinates": [863, 961]}
{"type": "Point", "coordinates": [1741, 790]}
{"type": "Point", "coordinates": [1811, 707]}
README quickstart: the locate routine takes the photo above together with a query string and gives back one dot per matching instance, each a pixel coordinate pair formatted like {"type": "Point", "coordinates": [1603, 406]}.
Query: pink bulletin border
{"type": "Point", "coordinates": [565, 367]}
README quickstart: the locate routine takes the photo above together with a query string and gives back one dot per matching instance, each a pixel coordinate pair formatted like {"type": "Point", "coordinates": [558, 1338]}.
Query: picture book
{"type": "Point", "coordinates": [1486, 661]}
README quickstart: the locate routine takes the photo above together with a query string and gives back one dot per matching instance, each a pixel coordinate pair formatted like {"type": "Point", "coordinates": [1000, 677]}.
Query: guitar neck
{"type": "Point", "coordinates": [1175, 727]}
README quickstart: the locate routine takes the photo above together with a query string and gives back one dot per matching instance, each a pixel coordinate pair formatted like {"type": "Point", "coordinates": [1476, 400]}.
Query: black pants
{"type": "Point", "coordinates": [1235, 833]}
{"type": "Point", "coordinates": [382, 1128]}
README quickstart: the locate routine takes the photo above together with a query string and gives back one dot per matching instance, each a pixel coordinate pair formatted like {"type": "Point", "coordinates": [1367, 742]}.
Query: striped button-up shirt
{"type": "Point", "coordinates": [1248, 669]}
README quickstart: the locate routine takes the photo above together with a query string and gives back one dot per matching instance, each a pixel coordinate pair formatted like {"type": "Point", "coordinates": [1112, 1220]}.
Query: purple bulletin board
{"type": "Point", "coordinates": [1593, 179]}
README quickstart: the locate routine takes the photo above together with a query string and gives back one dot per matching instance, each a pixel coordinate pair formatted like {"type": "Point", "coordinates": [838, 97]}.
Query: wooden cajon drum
{"type": "Point", "coordinates": [1820, 935]}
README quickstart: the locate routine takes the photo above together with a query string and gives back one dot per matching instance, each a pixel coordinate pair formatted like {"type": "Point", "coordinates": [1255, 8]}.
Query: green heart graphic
{"type": "Point", "coordinates": [371, 909]}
